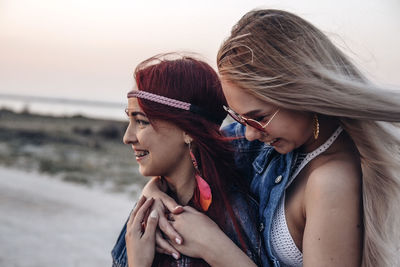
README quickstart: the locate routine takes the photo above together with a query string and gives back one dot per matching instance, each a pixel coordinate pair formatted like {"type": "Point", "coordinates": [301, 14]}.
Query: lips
{"type": "Point", "coordinates": [140, 153]}
{"type": "Point", "coordinates": [272, 142]}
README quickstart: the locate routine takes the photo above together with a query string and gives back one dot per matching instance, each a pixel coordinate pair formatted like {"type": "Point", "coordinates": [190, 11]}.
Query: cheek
{"type": "Point", "coordinates": [295, 127]}
{"type": "Point", "coordinates": [144, 137]}
{"type": "Point", "coordinates": [165, 157]}
{"type": "Point", "coordinates": [302, 130]}
{"type": "Point", "coordinates": [163, 148]}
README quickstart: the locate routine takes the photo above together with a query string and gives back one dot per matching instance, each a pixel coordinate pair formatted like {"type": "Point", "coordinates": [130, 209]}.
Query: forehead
{"type": "Point", "coordinates": [162, 126]}
{"type": "Point", "coordinates": [241, 101]}
{"type": "Point", "coordinates": [134, 104]}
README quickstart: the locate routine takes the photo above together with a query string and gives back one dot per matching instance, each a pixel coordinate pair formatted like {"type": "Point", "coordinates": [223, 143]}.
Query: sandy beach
{"type": "Point", "coordinates": [48, 222]}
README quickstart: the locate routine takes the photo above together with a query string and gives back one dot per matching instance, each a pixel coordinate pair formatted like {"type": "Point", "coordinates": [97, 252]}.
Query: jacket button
{"type": "Point", "coordinates": [278, 179]}
{"type": "Point", "coordinates": [261, 227]}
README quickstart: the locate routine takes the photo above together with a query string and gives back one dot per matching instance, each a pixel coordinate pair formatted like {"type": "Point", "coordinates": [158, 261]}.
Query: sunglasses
{"type": "Point", "coordinates": [245, 121]}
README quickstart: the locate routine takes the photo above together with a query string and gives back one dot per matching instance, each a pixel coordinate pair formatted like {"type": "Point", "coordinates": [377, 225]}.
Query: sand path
{"type": "Point", "coordinates": [46, 222]}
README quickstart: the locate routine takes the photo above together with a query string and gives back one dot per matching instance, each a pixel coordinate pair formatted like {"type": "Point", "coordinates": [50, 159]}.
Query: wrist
{"type": "Point", "coordinates": [217, 246]}
{"type": "Point", "coordinates": [224, 252]}
{"type": "Point", "coordinates": [140, 264]}
{"type": "Point", "coordinates": [154, 188]}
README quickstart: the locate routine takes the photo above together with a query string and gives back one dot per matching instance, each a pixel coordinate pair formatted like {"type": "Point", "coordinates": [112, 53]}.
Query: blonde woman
{"type": "Point", "coordinates": [322, 148]}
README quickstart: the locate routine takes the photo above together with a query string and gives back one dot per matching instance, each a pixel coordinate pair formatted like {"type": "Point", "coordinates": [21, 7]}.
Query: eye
{"type": "Point", "coordinates": [141, 123]}
{"type": "Point", "coordinates": [261, 118]}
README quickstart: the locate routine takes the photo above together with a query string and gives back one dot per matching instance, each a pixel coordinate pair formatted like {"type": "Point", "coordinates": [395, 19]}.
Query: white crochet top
{"type": "Point", "coordinates": [282, 242]}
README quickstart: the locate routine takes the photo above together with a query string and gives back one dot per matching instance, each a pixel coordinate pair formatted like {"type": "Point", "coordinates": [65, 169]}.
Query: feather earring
{"type": "Point", "coordinates": [204, 188]}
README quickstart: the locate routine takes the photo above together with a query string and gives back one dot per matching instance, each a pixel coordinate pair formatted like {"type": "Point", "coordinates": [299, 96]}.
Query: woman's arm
{"type": "Point", "coordinates": [140, 240]}
{"type": "Point", "coordinates": [333, 208]}
{"type": "Point", "coordinates": [204, 239]}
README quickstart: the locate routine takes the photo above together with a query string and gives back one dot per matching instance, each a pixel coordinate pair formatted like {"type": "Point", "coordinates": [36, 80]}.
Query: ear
{"type": "Point", "coordinates": [187, 138]}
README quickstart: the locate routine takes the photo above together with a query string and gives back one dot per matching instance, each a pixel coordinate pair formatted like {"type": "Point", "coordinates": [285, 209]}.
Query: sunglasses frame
{"type": "Point", "coordinates": [251, 122]}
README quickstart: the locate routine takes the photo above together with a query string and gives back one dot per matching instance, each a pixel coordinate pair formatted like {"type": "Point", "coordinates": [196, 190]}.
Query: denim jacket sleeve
{"type": "Point", "coordinates": [118, 253]}
{"type": "Point", "coordinates": [245, 209]}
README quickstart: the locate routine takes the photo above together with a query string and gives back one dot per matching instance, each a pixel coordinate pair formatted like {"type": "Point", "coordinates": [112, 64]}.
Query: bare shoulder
{"type": "Point", "coordinates": [333, 212]}
{"type": "Point", "coordinates": [337, 176]}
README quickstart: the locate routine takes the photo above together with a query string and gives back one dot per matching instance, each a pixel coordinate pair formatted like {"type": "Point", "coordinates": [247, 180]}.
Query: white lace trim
{"type": "Point", "coordinates": [282, 242]}
{"type": "Point", "coordinates": [310, 156]}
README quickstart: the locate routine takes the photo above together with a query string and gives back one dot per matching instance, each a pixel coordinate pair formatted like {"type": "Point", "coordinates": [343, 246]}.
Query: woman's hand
{"type": "Point", "coordinates": [197, 229]}
{"type": "Point", "coordinates": [204, 239]}
{"type": "Point", "coordinates": [140, 240]}
{"type": "Point", "coordinates": [155, 188]}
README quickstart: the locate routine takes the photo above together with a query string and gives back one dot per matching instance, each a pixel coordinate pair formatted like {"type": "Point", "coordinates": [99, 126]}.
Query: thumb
{"type": "Point", "coordinates": [152, 222]}
{"type": "Point", "coordinates": [178, 210]}
{"type": "Point", "coordinates": [169, 202]}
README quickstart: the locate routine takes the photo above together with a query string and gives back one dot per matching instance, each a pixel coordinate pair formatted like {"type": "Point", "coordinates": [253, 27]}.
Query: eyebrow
{"type": "Point", "coordinates": [252, 113]}
{"type": "Point", "coordinates": [135, 113]}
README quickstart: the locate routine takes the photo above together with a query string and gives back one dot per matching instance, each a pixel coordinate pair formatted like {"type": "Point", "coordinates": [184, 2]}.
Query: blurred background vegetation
{"type": "Point", "coordinates": [72, 148]}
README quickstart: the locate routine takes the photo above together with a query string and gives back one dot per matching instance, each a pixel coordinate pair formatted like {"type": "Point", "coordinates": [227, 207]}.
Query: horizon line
{"type": "Point", "coordinates": [62, 100]}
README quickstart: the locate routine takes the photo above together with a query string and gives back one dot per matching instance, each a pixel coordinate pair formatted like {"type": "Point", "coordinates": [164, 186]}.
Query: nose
{"type": "Point", "coordinates": [130, 135]}
{"type": "Point", "coordinates": [252, 134]}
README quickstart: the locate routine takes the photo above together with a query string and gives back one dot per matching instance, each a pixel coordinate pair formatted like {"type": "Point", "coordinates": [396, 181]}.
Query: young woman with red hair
{"type": "Point", "coordinates": [175, 113]}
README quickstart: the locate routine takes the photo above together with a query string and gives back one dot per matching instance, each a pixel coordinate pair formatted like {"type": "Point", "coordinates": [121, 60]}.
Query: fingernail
{"type": "Point", "coordinates": [154, 214]}
{"type": "Point", "coordinates": [178, 241]}
{"type": "Point", "coordinates": [178, 207]}
{"type": "Point", "coordinates": [176, 256]}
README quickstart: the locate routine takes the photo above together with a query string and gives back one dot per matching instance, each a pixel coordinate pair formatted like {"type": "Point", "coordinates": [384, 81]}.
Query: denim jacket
{"type": "Point", "coordinates": [267, 173]}
{"type": "Point", "coordinates": [245, 209]}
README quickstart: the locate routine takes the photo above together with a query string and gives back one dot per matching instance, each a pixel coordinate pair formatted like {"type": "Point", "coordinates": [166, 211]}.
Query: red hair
{"type": "Point", "coordinates": [194, 81]}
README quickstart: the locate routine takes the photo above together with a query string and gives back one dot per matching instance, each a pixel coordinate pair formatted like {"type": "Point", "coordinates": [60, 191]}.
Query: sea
{"type": "Point", "coordinates": [63, 106]}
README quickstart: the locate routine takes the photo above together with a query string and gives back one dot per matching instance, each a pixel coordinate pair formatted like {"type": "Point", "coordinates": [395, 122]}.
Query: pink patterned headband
{"type": "Point", "coordinates": [159, 99]}
{"type": "Point", "coordinates": [174, 103]}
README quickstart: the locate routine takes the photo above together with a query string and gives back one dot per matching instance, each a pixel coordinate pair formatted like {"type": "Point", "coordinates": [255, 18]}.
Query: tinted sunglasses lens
{"type": "Point", "coordinates": [235, 116]}
{"type": "Point", "coordinates": [254, 124]}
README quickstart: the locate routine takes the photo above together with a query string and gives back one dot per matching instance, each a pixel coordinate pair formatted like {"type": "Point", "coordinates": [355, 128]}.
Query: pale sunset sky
{"type": "Point", "coordinates": [87, 50]}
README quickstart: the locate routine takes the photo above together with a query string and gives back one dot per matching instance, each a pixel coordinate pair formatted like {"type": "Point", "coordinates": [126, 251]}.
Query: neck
{"type": "Point", "coordinates": [182, 182]}
{"type": "Point", "coordinates": [326, 128]}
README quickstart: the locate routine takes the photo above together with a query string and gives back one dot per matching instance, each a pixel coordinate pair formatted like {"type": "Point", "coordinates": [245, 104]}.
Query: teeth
{"type": "Point", "coordinates": [141, 153]}
{"type": "Point", "coordinates": [272, 141]}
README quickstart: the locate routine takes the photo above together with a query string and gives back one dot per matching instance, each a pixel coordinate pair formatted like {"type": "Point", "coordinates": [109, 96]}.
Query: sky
{"type": "Point", "coordinates": [87, 50]}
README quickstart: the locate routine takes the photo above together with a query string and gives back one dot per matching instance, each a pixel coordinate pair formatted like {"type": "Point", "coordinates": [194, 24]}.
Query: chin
{"type": "Point", "coordinates": [282, 150]}
{"type": "Point", "coordinates": [149, 172]}
{"type": "Point", "coordinates": [144, 172]}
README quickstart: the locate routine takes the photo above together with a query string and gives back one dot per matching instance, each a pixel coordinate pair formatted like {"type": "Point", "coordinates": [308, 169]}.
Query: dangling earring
{"type": "Point", "coordinates": [204, 188]}
{"type": "Point", "coordinates": [316, 126]}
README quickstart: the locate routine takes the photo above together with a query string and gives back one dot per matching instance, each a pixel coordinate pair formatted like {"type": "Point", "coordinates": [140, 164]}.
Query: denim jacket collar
{"type": "Point", "coordinates": [260, 163]}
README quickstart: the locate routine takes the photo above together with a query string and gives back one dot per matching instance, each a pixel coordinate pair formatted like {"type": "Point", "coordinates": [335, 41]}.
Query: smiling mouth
{"type": "Point", "coordinates": [141, 154]}
{"type": "Point", "coordinates": [271, 143]}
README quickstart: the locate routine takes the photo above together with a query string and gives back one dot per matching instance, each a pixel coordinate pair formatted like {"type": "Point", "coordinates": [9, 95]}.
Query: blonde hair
{"type": "Point", "coordinates": [282, 59]}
